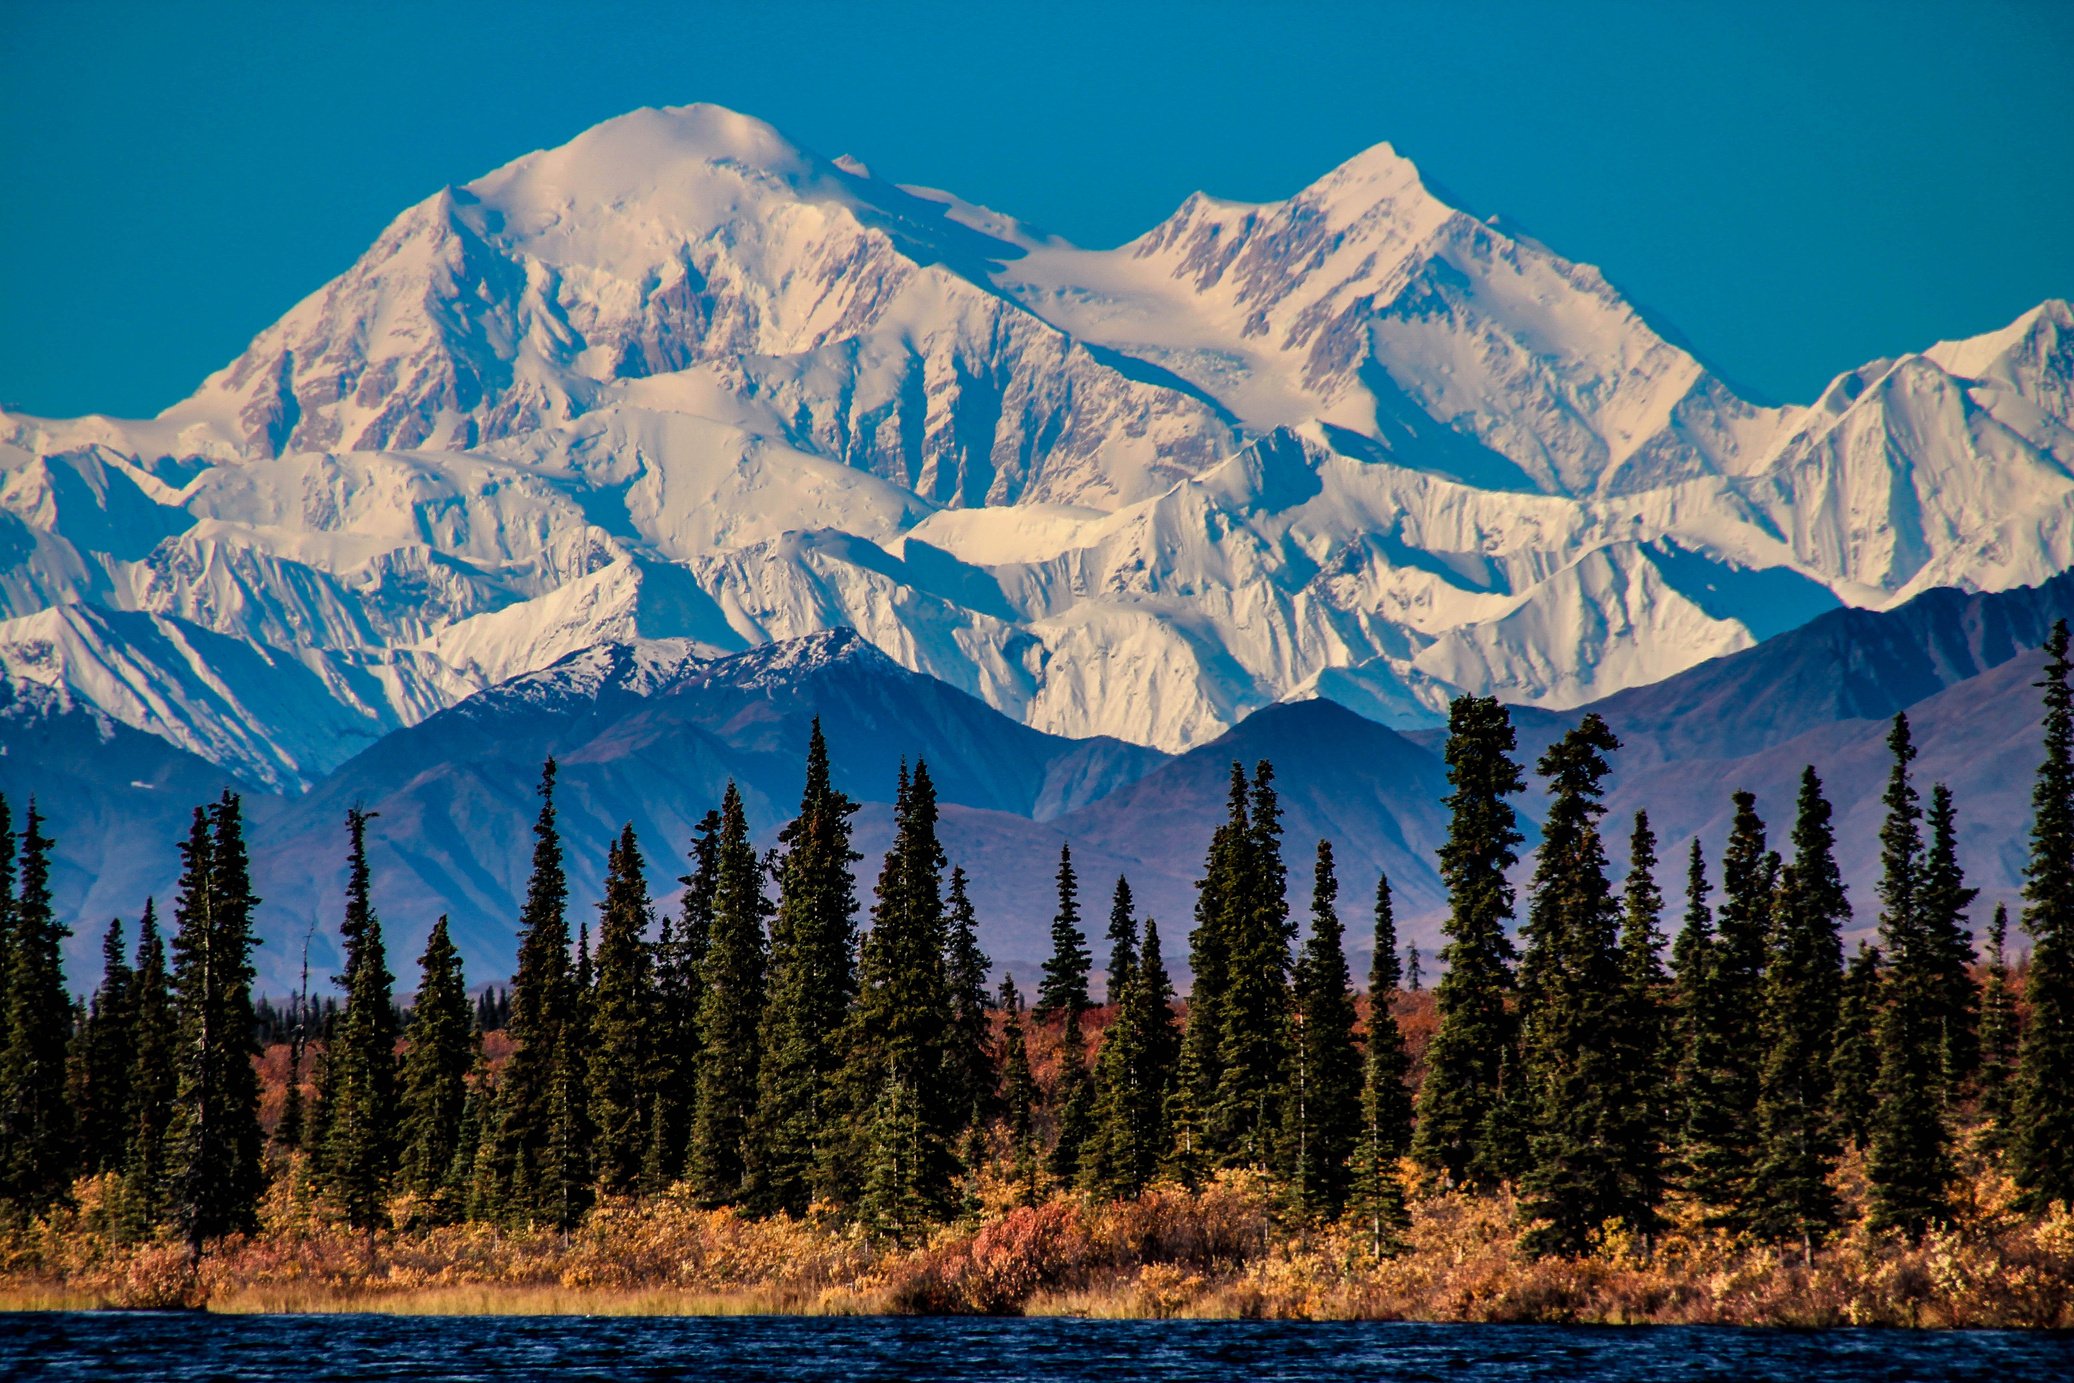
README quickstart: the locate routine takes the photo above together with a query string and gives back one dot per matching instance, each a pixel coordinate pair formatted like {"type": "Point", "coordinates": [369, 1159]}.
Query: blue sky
{"type": "Point", "coordinates": [1795, 188]}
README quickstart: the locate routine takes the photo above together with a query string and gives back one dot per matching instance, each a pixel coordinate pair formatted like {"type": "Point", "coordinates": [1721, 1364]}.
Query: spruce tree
{"type": "Point", "coordinates": [1322, 1110]}
{"type": "Point", "coordinates": [152, 1084]}
{"type": "Point", "coordinates": [1720, 967]}
{"type": "Point", "coordinates": [1123, 939]}
{"type": "Point", "coordinates": [1645, 1129]}
{"type": "Point", "coordinates": [1854, 1064]}
{"type": "Point", "coordinates": [1073, 1101]}
{"type": "Point", "coordinates": [101, 1095]}
{"type": "Point", "coordinates": [1453, 1138]}
{"type": "Point", "coordinates": [1743, 923]}
{"type": "Point", "coordinates": [359, 1156]}
{"type": "Point", "coordinates": [1998, 1035]}
{"type": "Point", "coordinates": [1063, 988]}
{"type": "Point", "coordinates": [291, 1128]}
{"type": "Point", "coordinates": [1134, 1075]}
{"type": "Point", "coordinates": [901, 1026]}
{"type": "Point", "coordinates": [1254, 1050]}
{"type": "Point", "coordinates": [1702, 1107]}
{"type": "Point", "coordinates": [1909, 1162]}
{"type": "Point", "coordinates": [7, 901]}
{"type": "Point", "coordinates": [969, 1058]}
{"type": "Point", "coordinates": [1944, 900]}
{"type": "Point", "coordinates": [454, 1195]}
{"type": "Point", "coordinates": [730, 1012]}
{"type": "Point", "coordinates": [1209, 961]}
{"type": "Point", "coordinates": [1018, 1093]}
{"type": "Point", "coordinates": [214, 1140]}
{"type": "Point", "coordinates": [533, 1090]}
{"type": "Point", "coordinates": [1114, 1162]}
{"type": "Point", "coordinates": [1789, 1197]}
{"type": "Point", "coordinates": [813, 978]}
{"type": "Point", "coordinates": [434, 1095]}
{"type": "Point", "coordinates": [36, 1127]}
{"type": "Point", "coordinates": [622, 1062]}
{"type": "Point", "coordinates": [2041, 1144]}
{"type": "Point", "coordinates": [1384, 1136]}
{"type": "Point", "coordinates": [1152, 1001]}
{"type": "Point", "coordinates": [680, 958]}
{"type": "Point", "coordinates": [1582, 1090]}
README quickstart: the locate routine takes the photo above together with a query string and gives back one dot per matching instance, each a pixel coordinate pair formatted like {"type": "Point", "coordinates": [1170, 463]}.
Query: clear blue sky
{"type": "Point", "coordinates": [1795, 187]}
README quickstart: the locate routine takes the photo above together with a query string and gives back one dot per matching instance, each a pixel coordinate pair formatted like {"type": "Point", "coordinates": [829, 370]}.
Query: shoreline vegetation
{"type": "Point", "coordinates": [753, 1104]}
{"type": "Point", "coordinates": [1215, 1253]}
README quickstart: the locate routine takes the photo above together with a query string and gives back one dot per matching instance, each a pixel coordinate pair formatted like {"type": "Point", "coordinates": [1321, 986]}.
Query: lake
{"type": "Point", "coordinates": [308, 1349]}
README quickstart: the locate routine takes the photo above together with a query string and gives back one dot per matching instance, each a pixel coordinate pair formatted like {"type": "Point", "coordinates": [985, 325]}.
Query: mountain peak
{"type": "Point", "coordinates": [1377, 172]}
{"type": "Point", "coordinates": [635, 154]}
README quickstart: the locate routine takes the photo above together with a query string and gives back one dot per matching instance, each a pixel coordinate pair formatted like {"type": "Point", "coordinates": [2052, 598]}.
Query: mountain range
{"type": "Point", "coordinates": [650, 732]}
{"type": "Point", "coordinates": [605, 450]}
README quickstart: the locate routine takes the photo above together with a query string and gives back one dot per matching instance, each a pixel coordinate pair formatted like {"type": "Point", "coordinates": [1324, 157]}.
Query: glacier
{"type": "Point", "coordinates": [681, 379]}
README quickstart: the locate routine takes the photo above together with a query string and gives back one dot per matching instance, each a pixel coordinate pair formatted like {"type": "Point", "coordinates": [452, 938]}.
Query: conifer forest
{"type": "Point", "coordinates": [1608, 1066]}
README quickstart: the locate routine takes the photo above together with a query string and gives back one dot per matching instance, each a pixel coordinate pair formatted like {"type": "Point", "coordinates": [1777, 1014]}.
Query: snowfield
{"type": "Point", "coordinates": [682, 380]}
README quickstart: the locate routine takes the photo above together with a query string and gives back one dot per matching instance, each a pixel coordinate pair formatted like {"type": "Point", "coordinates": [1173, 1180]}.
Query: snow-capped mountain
{"type": "Point", "coordinates": [680, 379]}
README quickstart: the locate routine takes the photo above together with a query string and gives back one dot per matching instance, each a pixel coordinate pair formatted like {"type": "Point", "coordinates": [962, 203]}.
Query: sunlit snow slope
{"type": "Point", "coordinates": [682, 379]}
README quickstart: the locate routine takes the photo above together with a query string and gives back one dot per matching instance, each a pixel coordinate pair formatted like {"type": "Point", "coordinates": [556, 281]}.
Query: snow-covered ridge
{"type": "Point", "coordinates": [682, 387]}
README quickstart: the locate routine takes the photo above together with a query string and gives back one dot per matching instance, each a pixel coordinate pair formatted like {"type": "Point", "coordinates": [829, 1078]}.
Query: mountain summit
{"type": "Point", "coordinates": [681, 379]}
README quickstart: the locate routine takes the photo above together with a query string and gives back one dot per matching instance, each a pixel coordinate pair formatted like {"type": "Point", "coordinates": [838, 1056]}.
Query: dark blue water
{"type": "Point", "coordinates": [307, 1349]}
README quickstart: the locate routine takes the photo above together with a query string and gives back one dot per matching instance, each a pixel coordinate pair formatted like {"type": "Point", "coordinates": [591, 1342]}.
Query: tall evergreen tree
{"type": "Point", "coordinates": [1384, 1135]}
{"type": "Point", "coordinates": [434, 1095]}
{"type": "Point", "coordinates": [1720, 967]}
{"type": "Point", "coordinates": [1018, 1093]}
{"type": "Point", "coordinates": [7, 902]}
{"type": "Point", "coordinates": [152, 1083]}
{"type": "Point", "coordinates": [1209, 961]}
{"type": "Point", "coordinates": [1854, 1064]}
{"type": "Point", "coordinates": [533, 1092]}
{"type": "Point", "coordinates": [1115, 1161]}
{"type": "Point", "coordinates": [2041, 1146]}
{"type": "Point", "coordinates": [1645, 1129]}
{"type": "Point", "coordinates": [214, 1139]}
{"type": "Point", "coordinates": [622, 1056]}
{"type": "Point", "coordinates": [969, 1057]}
{"type": "Point", "coordinates": [813, 978]}
{"type": "Point", "coordinates": [1254, 1050]}
{"type": "Point", "coordinates": [1790, 1199]}
{"type": "Point", "coordinates": [1063, 993]}
{"type": "Point", "coordinates": [1583, 1090]}
{"type": "Point", "coordinates": [1063, 989]}
{"type": "Point", "coordinates": [1134, 1076]}
{"type": "Point", "coordinates": [100, 1097]}
{"type": "Point", "coordinates": [1909, 1162]}
{"type": "Point", "coordinates": [1322, 1110]}
{"type": "Point", "coordinates": [1452, 1139]}
{"type": "Point", "coordinates": [36, 1128]}
{"type": "Point", "coordinates": [1998, 1034]}
{"type": "Point", "coordinates": [680, 959]}
{"type": "Point", "coordinates": [359, 1156]}
{"type": "Point", "coordinates": [1944, 900]}
{"type": "Point", "coordinates": [730, 1012]}
{"type": "Point", "coordinates": [294, 1115]}
{"type": "Point", "coordinates": [1073, 1102]}
{"type": "Point", "coordinates": [900, 1028]}
{"type": "Point", "coordinates": [1152, 1000]}
{"type": "Point", "coordinates": [1701, 1108]}
{"type": "Point", "coordinates": [1123, 939]}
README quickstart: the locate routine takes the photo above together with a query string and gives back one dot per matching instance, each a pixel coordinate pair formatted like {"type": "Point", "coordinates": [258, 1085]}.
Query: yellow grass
{"type": "Point", "coordinates": [1220, 1252]}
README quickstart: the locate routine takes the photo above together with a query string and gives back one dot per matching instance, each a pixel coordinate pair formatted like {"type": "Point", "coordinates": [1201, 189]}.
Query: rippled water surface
{"type": "Point", "coordinates": [305, 1349]}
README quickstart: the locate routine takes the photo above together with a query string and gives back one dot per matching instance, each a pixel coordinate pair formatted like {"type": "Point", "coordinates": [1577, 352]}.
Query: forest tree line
{"type": "Point", "coordinates": [754, 1048]}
